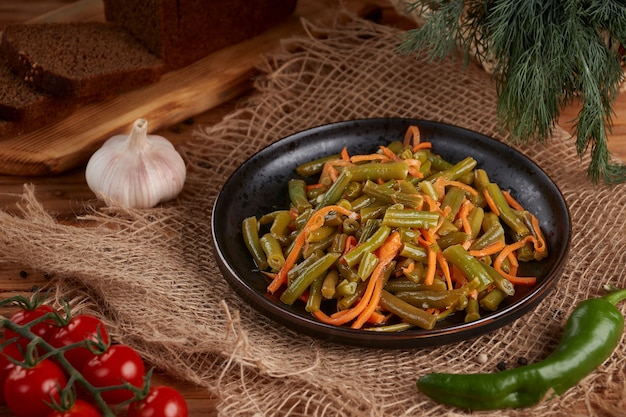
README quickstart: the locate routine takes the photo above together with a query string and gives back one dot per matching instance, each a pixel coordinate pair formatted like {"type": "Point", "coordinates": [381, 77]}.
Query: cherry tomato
{"type": "Point", "coordinates": [28, 390]}
{"type": "Point", "coordinates": [161, 401]}
{"type": "Point", "coordinates": [80, 408]}
{"type": "Point", "coordinates": [9, 351]}
{"type": "Point", "coordinates": [81, 327]}
{"type": "Point", "coordinates": [119, 364]}
{"type": "Point", "coordinates": [22, 317]}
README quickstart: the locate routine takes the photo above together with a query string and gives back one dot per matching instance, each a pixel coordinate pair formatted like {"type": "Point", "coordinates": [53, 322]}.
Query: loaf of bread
{"type": "Point", "coordinates": [86, 59]}
{"type": "Point", "coordinates": [181, 32]}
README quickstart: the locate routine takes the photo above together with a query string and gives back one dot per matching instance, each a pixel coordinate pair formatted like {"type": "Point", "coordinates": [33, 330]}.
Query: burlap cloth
{"type": "Point", "coordinates": [151, 274]}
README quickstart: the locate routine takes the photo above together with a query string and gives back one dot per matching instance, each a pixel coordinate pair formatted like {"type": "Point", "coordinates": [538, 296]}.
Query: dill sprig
{"type": "Point", "coordinates": [544, 55]}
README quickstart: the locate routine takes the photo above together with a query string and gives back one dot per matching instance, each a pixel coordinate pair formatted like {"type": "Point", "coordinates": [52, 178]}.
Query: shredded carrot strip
{"type": "Point", "coordinates": [412, 136]}
{"type": "Point", "coordinates": [386, 254]}
{"type": "Point", "coordinates": [520, 280]}
{"type": "Point", "coordinates": [365, 158]}
{"type": "Point", "coordinates": [445, 268]}
{"type": "Point", "coordinates": [422, 145]}
{"type": "Point", "coordinates": [377, 318]}
{"type": "Point", "coordinates": [315, 222]}
{"type": "Point", "coordinates": [345, 316]}
{"type": "Point", "coordinates": [389, 153]}
{"type": "Point", "coordinates": [458, 276]}
{"type": "Point", "coordinates": [350, 244]}
{"type": "Point", "coordinates": [310, 187]}
{"type": "Point", "coordinates": [491, 203]}
{"type": "Point", "coordinates": [440, 187]}
{"type": "Point", "coordinates": [329, 170]}
{"type": "Point", "coordinates": [492, 249]}
{"type": "Point", "coordinates": [408, 269]}
{"type": "Point", "coordinates": [539, 243]}
{"type": "Point", "coordinates": [458, 184]}
{"type": "Point", "coordinates": [344, 154]}
{"type": "Point", "coordinates": [432, 261]}
{"type": "Point", "coordinates": [414, 166]}
{"type": "Point", "coordinates": [473, 293]}
{"type": "Point", "coordinates": [513, 264]}
{"type": "Point", "coordinates": [464, 212]}
{"type": "Point", "coordinates": [512, 202]}
{"type": "Point", "coordinates": [504, 253]}
{"type": "Point", "coordinates": [432, 204]}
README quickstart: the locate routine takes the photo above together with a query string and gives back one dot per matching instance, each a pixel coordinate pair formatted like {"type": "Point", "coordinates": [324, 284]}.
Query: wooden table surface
{"type": "Point", "coordinates": [63, 194]}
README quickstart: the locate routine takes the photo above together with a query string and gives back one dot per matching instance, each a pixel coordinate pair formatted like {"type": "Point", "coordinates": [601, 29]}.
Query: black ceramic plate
{"type": "Point", "coordinates": [260, 186]}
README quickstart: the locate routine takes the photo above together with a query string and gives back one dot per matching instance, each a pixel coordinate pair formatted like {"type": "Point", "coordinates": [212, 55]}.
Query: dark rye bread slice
{"type": "Point", "coordinates": [20, 102]}
{"type": "Point", "coordinates": [182, 32]}
{"type": "Point", "coordinates": [82, 59]}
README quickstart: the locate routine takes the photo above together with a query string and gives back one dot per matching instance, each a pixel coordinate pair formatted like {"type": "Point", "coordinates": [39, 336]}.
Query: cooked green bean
{"type": "Point", "coordinates": [346, 288]}
{"type": "Point", "coordinates": [304, 280]}
{"type": "Point", "coordinates": [492, 299]}
{"type": "Point", "coordinates": [391, 328]}
{"type": "Point", "coordinates": [414, 252]}
{"type": "Point", "coordinates": [389, 195]}
{"type": "Point", "coordinates": [314, 301]}
{"type": "Point", "coordinates": [321, 233]}
{"type": "Point", "coordinates": [362, 201]}
{"type": "Point", "coordinates": [472, 311]}
{"type": "Point", "coordinates": [336, 190]}
{"type": "Point", "coordinates": [471, 267]}
{"type": "Point", "coordinates": [281, 223]}
{"type": "Point", "coordinates": [457, 170]}
{"type": "Point", "coordinates": [368, 228]}
{"type": "Point", "coordinates": [329, 285]}
{"type": "Point", "coordinates": [407, 312]}
{"type": "Point", "coordinates": [428, 188]}
{"type": "Point", "coordinates": [453, 199]}
{"type": "Point", "coordinates": [380, 172]}
{"type": "Point", "coordinates": [346, 301]}
{"type": "Point", "coordinates": [321, 245]}
{"type": "Point", "coordinates": [499, 281]}
{"type": "Point", "coordinates": [433, 298]}
{"type": "Point", "coordinates": [351, 226]}
{"type": "Point", "coordinates": [419, 219]}
{"type": "Point", "coordinates": [438, 163]}
{"type": "Point", "coordinates": [250, 231]}
{"type": "Point", "coordinates": [492, 235]}
{"type": "Point", "coordinates": [401, 284]}
{"type": "Point", "coordinates": [475, 218]}
{"type": "Point", "coordinates": [372, 212]}
{"type": "Point", "coordinates": [339, 243]}
{"type": "Point", "coordinates": [366, 265]}
{"type": "Point", "coordinates": [374, 242]}
{"type": "Point", "coordinates": [353, 190]}
{"type": "Point", "coordinates": [452, 238]}
{"type": "Point", "coordinates": [507, 214]}
{"type": "Point", "coordinates": [273, 251]}
{"type": "Point", "coordinates": [297, 194]}
{"type": "Point", "coordinates": [314, 167]}
{"type": "Point", "coordinates": [347, 272]}
{"type": "Point", "coordinates": [303, 265]}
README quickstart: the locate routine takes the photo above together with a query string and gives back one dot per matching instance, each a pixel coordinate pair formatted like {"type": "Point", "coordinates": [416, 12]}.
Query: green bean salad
{"type": "Point", "coordinates": [396, 239]}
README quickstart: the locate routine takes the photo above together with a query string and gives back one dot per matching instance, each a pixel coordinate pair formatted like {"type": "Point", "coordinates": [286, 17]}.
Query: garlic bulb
{"type": "Point", "coordinates": [136, 170]}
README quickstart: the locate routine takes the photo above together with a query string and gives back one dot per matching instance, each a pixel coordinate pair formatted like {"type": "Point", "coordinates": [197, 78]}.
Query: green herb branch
{"type": "Point", "coordinates": [544, 55]}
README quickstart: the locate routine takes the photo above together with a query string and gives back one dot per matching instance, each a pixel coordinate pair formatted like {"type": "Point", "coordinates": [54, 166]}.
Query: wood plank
{"type": "Point", "coordinates": [218, 78]}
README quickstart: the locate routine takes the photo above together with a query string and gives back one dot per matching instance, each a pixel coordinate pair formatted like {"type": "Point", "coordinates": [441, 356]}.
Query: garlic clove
{"type": "Point", "coordinates": [136, 170]}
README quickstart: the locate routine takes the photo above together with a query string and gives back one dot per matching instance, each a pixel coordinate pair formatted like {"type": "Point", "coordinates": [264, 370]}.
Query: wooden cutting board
{"type": "Point", "coordinates": [179, 95]}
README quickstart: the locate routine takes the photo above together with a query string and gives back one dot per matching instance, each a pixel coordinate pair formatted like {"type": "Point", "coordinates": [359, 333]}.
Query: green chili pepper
{"type": "Point", "coordinates": [591, 334]}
